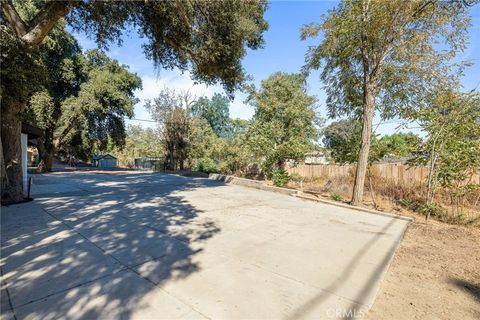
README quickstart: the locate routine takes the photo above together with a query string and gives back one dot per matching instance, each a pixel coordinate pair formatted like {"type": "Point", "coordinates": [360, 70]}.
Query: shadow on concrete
{"type": "Point", "coordinates": [356, 309]}
{"type": "Point", "coordinates": [80, 251]}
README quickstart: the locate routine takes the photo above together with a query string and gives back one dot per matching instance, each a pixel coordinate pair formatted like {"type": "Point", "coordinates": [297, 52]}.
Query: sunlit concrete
{"type": "Point", "coordinates": [149, 245]}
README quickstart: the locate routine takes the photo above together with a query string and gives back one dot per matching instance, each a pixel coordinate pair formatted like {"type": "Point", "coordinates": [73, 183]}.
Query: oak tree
{"type": "Point", "coordinates": [207, 38]}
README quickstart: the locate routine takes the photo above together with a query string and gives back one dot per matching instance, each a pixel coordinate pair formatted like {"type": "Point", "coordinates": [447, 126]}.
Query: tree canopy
{"type": "Point", "coordinates": [283, 126]}
{"type": "Point", "coordinates": [342, 139]}
{"type": "Point", "coordinates": [216, 112]}
{"type": "Point", "coordinates": [171, 110]}
{"type": "Point", "coordinates": [384, 56]}
{"type": "Point", "coordinates": [397, 145]}
{"type": "Point", "coordinates": [82, 102]}
{"type": "Point", "coordinates": [208, 38]}
{"type": "Point", "coordinates": [452, 148]}
{"type": "Point", "coordinates": [139, 142]}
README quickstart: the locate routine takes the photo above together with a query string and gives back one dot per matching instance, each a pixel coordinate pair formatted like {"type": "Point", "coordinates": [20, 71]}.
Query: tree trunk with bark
{"type": "Point", "coordinates": [32, 32]}
{"type": "Point", "coordinates": [3, 173]}
{"type": "Point", "coordinates": [46, 151]}
{"type": "Point", "coordinates": [181, 160]}
{"type": "Point", "coordinates": [362, 164]}
{"type": "Point", "coordinates": [11, 129]}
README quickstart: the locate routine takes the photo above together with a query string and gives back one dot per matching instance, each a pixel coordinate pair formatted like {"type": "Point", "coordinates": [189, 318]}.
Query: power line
{"type": "Point", "coordinates": [374, 124]}
{"type": "Point", "coordinates": [387, 122]}
{"type": "Point", "coordinates": [145, 120]}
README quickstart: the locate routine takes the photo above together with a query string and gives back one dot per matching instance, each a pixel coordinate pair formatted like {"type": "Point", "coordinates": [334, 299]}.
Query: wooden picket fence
{"type": "Point", "coordinates": [398, 173]}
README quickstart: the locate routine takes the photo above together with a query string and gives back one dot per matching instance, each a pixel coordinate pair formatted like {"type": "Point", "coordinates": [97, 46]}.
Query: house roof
{"type": "Point", "coordinates": [102, 156]}
{"type": "Point", "coordinates": [31, 131]}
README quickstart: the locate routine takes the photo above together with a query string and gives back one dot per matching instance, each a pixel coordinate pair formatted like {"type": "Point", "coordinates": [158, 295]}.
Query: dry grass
{"type": "Point", "coordinates": [388, 195]}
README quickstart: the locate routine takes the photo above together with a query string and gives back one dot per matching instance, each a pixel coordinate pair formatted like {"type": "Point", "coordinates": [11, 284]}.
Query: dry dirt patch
{"type": "Point", "coordinates": [435, 275]}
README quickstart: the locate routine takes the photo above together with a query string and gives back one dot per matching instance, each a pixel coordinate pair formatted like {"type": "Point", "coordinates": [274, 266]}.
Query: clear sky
{"type": "Point", "coordinates": [283, 51]}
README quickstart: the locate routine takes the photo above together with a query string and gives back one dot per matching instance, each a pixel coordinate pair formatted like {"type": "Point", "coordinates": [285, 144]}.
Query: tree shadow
{"type": "Point", "coordinates": [356, 309]}
{"type": "Point", "coordinates": [82, 254]}
{"type": "Point", "coordinates": [472, 289]}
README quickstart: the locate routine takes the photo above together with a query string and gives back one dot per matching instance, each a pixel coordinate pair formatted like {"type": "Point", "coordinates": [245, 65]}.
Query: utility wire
{"type": "Point", "coordinates": [145, 120]}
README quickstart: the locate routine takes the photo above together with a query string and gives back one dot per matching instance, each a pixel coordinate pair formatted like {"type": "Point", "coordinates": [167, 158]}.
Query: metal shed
{"type": "Point", "coordinates": [149, 163]}
{"type": "Point", "coordinates": [104, 161]}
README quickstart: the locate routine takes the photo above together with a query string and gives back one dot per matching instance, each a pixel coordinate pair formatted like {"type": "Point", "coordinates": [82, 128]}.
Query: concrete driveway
{"type": "Point", "coordinates": [151, 246]}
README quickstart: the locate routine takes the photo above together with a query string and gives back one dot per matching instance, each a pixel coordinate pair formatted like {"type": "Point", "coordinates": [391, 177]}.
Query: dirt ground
{"type": "Point", "coordinates": [435, 275]}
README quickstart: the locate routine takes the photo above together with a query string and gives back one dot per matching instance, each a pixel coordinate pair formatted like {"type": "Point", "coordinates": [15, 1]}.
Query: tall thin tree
{"type": "Point", "coordinates": [385, 56]}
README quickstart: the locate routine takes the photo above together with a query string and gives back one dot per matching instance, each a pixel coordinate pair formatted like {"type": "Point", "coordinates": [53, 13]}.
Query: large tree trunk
{"type": "Point", "coordinates": [362, 164]}
{"type": "Point", "coordinates": [11, 129]}
{"type": "Point", "coordinates": [181, 161]}
{"type": "Point", "coordinates": [3, 173]}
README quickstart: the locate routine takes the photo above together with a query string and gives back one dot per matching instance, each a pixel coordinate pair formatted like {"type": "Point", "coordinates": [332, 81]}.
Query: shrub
{"type": "Point", "coordinates": [206, 165]}
{"type": "Point", "coordinates": [279, 177]}
{"type": "Point", "coordinates": [336, 196]}
{"type": "Point", "coordinates": [420, 206]}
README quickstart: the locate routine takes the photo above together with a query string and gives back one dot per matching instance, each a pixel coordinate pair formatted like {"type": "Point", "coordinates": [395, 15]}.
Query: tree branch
{"type": "Point", "coordinates": [45, 20]}
{"type": "Point", "coordinates": [363, 36]}
{"type": "Point", "coordinates": [13, 18]}
{"type": "Point", "coordinates": [35, 31]}
{"type": "Point", "coordinates": [388, 44]}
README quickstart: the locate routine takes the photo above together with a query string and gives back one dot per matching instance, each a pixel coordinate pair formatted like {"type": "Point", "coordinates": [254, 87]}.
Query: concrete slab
{"type": "Point", "coordinates": [144, 245]}
{"type": "Point", "coordinates": [49, 260]}
{"type": "Point", "coordinates": [123, 295]}
{"type": "Point", "coordinates": [243, 291]}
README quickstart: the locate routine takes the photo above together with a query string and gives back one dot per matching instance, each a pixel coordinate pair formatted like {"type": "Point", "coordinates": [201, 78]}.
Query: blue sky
{"type": "Point", "coordinates": [283, 51]}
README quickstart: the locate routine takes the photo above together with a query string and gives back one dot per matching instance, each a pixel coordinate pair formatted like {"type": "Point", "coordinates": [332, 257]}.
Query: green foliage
{"type": "Point", "coordinates": [204, 143]}
{"type": "Point", "coordinates": [208, 38]}
{"type": "Point", "coordinates": [422, 207]}
{"type": "Point", "coordinates": [452, 147]}
{"type": "Point", "coordinates": [43, 108]}
{"type": "Point", "coordinates": [171, 110]}
{"type": "Point", "coordinates": [139, 143]}
{"type": "Point", "coordinates": [336, 197]}
{"type": "Point", "coordinates": [21, 69]}
{"type": "Point", "coordinates": [216, 112]}
{"type": "Point", "coordinates": [84, 98]}
{"type": "Point", "coordinates": [397, 145]}
{"type": "Point", "coordinates": [342, 140]}
{"type": "Point", "coordinates": [188, 135]}
{"type": "Point", "coordinates": [206, 165]}
{"type": "Point", "coordinates": [238, 127]}
{"type": "Point", "coordinates": [105, 99]}
{"type": "Point", "coordinates": [384, 57]}
{"type": "Point", "coordinates": [235, 157]}
{"type": "Point", "coordinates": [392, 45]}
{"type": "Point", "coordinates": [80, 101]}
{"type": "Point", "coordinates": [279, 177]}
{"type": "Point", "coordinates": [284, 122]}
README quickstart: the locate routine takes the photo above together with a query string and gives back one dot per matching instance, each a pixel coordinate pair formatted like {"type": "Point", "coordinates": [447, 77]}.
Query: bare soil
{"type": "Point", "coordinates": [435, 274]}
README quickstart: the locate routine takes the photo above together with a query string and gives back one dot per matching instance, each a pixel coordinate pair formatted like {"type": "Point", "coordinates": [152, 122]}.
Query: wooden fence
{"type": "Point", "coordinates": [398, 173]}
